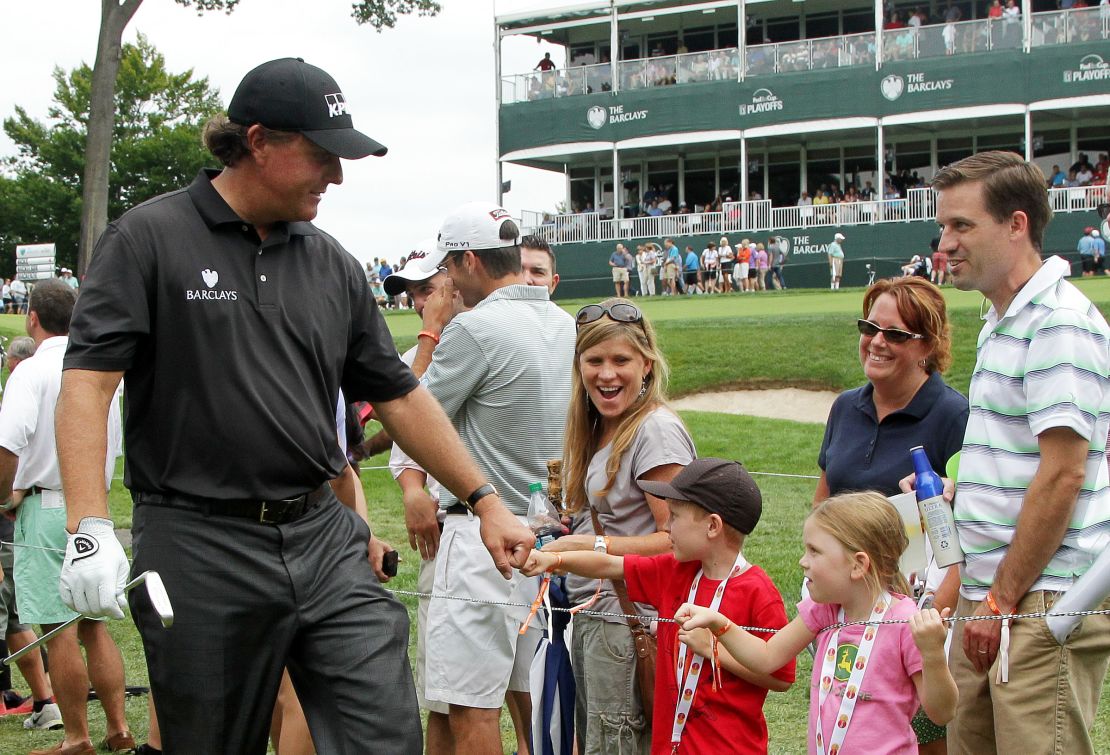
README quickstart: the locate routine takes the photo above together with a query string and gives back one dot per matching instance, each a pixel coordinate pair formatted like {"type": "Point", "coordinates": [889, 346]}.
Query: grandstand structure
{"type": "Point", "coordinates": [731, 128]}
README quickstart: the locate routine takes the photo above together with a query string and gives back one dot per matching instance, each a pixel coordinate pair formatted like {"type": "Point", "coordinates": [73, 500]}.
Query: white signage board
{"type": "Point", "coordinates": [35, 262]}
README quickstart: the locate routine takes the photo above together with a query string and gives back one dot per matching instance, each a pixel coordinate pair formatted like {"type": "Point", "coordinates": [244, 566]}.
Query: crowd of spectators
{"type": "Point", "coordinates": [1081, 173]}
{"type": "Point", "coordinates": [719, 268]}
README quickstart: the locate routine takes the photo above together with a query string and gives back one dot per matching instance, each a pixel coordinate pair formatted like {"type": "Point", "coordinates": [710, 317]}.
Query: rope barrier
{"type": "Point", "coordinates": [378, 468]}
{"type": "Point", "coordinates": [763, 630]}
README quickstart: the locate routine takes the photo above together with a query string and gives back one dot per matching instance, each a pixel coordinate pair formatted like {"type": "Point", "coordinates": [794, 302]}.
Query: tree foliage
{"type": "Point", "coordinates": [155, 148]}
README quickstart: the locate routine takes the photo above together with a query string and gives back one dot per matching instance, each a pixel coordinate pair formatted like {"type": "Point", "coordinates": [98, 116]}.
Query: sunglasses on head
{"type": "Point", "coordinates": [619, 312]}
{"type": "Point", "coordinates": [893, 335]}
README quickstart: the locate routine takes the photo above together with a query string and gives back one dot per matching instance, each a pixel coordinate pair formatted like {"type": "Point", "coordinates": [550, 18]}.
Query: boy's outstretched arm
{"type": "Point", "coordinates": [935, 686]}
{"type": "Point", "coordinates": [582, 563]}
{"type": "Point", "coordinates": [759, 656]}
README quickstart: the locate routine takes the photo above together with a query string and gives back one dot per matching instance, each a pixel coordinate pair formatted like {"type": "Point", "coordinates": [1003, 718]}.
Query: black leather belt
{"type": "Point", "coordinates": [457, 509]}
{"type": "Point", "coordinates": [281, 511]}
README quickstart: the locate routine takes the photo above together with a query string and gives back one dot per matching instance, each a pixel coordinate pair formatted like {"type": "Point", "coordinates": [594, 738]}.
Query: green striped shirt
{"type": "Point", "coordinates": [1044, 364]}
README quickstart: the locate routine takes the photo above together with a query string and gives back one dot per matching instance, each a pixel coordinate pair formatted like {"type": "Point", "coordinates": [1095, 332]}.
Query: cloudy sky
{"type": "Point", "coordinates": [425, 89]}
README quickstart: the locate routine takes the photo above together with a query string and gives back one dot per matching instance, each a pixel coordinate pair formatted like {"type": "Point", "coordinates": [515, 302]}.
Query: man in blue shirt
{"type": "Point", "coordinates": [1086, 249]}
{"type": "Point", "coordinates": [620, 272]}
{"type": "Point", "coordinates": [691, 271]}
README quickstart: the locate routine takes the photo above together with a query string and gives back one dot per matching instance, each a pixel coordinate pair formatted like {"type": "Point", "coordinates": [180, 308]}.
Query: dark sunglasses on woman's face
{"type": "Point", "coordinates": [893, 335]}
{"type": "Point", "coordinates": [620, 312]}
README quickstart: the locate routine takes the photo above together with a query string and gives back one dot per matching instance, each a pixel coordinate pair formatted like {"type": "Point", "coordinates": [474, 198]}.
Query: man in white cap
{"type": "Point", "coordinates": [502, 373]}
{"type": "Point", "coordinates": [836, 261]}
{"type": "Point", "coordinates": [235, 323]}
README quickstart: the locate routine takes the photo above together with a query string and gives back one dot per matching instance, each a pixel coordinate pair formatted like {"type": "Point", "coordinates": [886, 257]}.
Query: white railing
{"type": "Point", "coordinates": [1075, 25]}
{"type": "Point", "coordinates": [1077, 198]}
{"type": "Point", "coordinates": [910, 43]}
{"type": "Point", "coordinates": [743, 217]}
{"type": "Point", "coordinates": [565, 82]}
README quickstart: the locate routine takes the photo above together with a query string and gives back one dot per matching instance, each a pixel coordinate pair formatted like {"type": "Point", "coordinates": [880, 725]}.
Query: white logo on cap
{"type": "Point", "coordinates": [596, 116]}
{"type": "Point", "coordinates": [337, 104]}
{"type": "Point", "coordinates": [892, 87]}
{"type": "Point", "coordinates": [210, 277]}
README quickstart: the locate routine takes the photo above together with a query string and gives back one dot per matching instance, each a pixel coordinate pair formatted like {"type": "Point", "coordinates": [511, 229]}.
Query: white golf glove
{"type": "Point", "coordinates": [95, 570]}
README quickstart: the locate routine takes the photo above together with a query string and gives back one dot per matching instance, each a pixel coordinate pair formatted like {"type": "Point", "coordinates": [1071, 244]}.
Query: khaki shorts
{"type": "Point", "coordinates": [669, 273]}
{"type": "Point", "coordinates": [620, 275]}
{"type": "Point", "coordinates": [1049, 704]}
{"type": "Point", "coordinates": [836, 266]}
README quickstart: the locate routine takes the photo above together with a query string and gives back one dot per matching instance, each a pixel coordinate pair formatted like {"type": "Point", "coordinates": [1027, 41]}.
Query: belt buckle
{"type": "Point", "coordinates": [264, 510]}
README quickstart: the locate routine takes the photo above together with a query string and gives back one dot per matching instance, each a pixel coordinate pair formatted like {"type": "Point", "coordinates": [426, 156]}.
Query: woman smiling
{"type": "Point", "coordinates": [619, 431]}
{"type": "Point", "coordinates": [904, 347]}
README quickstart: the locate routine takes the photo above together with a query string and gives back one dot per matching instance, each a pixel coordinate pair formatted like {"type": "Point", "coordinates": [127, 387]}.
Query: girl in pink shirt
{"type": "Point", "coordinates": [867, 678]}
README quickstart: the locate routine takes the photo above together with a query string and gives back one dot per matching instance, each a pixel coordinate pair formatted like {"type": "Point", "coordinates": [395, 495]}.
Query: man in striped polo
{"type": "Point", "coordinates": [502, 374]}
{"type": "Point", "coordinates": [1032, 499]}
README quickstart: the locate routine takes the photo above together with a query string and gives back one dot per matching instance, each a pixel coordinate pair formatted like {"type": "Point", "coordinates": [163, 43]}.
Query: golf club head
{"type": "Point", "coordinates": [156, 591]}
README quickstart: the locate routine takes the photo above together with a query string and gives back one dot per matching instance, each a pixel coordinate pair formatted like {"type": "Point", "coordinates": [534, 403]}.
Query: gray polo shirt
{"type": "Point", "coordinates": [502, 373]}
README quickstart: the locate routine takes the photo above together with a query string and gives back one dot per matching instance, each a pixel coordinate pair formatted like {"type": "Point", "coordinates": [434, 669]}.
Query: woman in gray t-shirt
{"type": "Point", "coordinates": [619, 430]}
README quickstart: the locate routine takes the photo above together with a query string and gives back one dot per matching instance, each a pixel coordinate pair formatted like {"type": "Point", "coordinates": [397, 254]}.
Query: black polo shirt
{"type": "Point", "coordinates": [861, 453]}
{"type": "Point", "coordinates": [233, 349]}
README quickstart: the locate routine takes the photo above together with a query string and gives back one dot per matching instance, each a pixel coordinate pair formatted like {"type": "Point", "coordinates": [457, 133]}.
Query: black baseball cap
{"type": "Point", "coordinates": [290, 95]}
{"type": "Point", "coordinates": [719, 486]}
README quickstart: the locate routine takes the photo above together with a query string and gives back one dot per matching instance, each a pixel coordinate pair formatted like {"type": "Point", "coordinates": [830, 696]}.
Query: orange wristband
{"type": "Point", "coordinates": [429, 334]}
{"type": "Point", "coordinates": [991, 604]}
{"type": "Point", "coordinates": [725, 628]}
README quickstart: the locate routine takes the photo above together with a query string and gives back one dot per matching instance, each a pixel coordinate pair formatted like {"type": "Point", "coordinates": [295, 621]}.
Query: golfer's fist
{"type": "Point", "coordinates": [94, 571]}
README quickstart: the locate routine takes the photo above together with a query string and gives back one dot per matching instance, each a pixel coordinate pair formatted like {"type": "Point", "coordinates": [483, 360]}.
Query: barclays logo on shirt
{"type": "Point", "coordinates": [210, 278]}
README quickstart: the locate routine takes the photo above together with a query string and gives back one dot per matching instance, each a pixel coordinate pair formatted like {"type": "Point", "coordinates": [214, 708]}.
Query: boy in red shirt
{"type": "Point", "coordinates": [713, 504]}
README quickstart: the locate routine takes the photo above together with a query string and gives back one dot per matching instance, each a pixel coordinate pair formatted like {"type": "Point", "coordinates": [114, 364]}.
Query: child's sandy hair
{"type": "Point", "coordinates": [868, 522]}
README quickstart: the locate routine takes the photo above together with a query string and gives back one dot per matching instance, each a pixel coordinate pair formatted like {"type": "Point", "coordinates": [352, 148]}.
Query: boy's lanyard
{"type": "Point", "coordinates": [855, 679]}
{"type": "Point", "coordinates": [690, 685]}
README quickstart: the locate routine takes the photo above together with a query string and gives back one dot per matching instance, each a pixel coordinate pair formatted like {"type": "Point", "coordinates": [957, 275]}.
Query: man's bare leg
{"type": "Point", "coordinates": [476, 730]}
{"type": "Point", "coordinates": [439, 739]}
{"type": "Point", "coordinates": [70, 680]}
{"type": "Point", "coordinates": [30, 665]}
{"type": "Point", "coordinates": [520, 710]}
{"type": "Point", "coordinates": [105, 671]}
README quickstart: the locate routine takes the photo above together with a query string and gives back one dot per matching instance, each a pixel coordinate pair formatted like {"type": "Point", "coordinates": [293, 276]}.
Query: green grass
{"type": "Point", "coordinates": [792, 338]}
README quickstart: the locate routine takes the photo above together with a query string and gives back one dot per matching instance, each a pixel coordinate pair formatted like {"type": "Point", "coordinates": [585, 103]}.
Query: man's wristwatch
{"type": "Point", "coordinates": [601, 544]}
{"type": "Point", "coordinates": [472, 499]}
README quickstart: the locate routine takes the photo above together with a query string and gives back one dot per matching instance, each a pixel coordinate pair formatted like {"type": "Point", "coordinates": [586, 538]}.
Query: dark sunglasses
{"type": "Point", "coordinates": [619, 312]}
{"type": "Point", "coordinates": [894, 335]}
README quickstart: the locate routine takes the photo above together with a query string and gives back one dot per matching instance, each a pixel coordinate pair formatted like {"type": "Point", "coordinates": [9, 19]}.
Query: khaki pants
{"type": "Point", "coordinates": [1049, 704]}
{"type": "Point", "coordinates": [608, 714]}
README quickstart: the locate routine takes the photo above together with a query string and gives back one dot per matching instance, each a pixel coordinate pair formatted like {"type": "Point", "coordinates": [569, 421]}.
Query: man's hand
{"type": "Point", "coordinates": [421, 521]}
{"type": "Point", "coordinates": [375, 551]}
{"type": "Point", "coordinates": [439, 308]}
{"type": "Point", "coordinates": [508, 541]}
{"type": "Point", "coordinates": [94, 571]}
{"type": "Point", "coordinates": [981, 639]}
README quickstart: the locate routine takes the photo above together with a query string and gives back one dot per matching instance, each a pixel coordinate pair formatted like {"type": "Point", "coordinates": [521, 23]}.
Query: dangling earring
{"type": "Point", "coordinates": [643, 388]}
{"type": "Point", "coordinates": [923, 363]}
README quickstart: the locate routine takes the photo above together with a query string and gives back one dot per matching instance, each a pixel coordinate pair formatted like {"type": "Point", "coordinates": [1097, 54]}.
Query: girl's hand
{"type": "Point", "coordinates": [538, 562]}
{"type": "Point", "coordinates": [690, 616]}
{"type": "Point", "coordinates": [929, 631]}
{"type": "Point", "coordinates": [698, 640]}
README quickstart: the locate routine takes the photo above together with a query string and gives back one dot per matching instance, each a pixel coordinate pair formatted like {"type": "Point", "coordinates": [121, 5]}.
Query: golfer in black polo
{"type": "Point", "coordinates": [234, 322]}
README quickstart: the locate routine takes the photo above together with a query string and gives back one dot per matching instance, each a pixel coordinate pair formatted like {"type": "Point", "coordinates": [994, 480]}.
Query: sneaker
{"type": "Point", "coordinates": [47, 718]}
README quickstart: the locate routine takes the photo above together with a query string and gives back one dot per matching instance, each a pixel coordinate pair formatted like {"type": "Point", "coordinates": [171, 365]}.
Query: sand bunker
{"type": "Point", "coordinates": [777, 403]}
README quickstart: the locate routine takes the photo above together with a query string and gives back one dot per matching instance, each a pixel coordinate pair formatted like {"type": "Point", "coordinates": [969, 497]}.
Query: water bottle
{"type": "Point", "coordinates": [936, 514]}
{"type": "Point", "coordinates": [542, 516]}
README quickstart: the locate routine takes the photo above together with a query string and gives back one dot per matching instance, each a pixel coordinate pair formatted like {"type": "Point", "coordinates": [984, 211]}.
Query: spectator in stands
{"type": "Point", "coordinates": [1084, 175]}
{"type": "Point", "coordinates": [654, 210]}
{"type": "Point", "coordinates": [545, 64]}
{"type": "Point", "coordinates": [1058, 178]}
{"type": "Point", "coordinates": [995, 9]}
{"type": "Point", "coordinates": [620, 272]}
{"type": "Point", "coordinates": [1103, 166]}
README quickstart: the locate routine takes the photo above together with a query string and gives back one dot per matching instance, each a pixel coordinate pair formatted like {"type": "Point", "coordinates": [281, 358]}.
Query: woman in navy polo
{"type": "Point", "coordinates": [904, 347]}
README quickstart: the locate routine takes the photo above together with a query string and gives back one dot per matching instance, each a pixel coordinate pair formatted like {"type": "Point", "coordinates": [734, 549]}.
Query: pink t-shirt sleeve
{"type": "Point", "coordinates": [816, 616]}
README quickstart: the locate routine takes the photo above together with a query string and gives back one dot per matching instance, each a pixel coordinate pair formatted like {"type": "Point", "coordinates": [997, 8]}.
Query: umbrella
{"type": "Point", "coordinates": [552, 680]}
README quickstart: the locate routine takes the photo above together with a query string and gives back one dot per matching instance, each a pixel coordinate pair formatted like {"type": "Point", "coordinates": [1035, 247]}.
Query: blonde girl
{"type": "Point", "coordinates": [852, 546]}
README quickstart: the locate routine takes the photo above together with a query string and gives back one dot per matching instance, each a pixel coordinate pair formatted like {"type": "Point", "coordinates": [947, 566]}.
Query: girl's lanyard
{"type": "Point", "coordinates": [690, 685]}
{"type": "Point", "coordinates": [855, 679]}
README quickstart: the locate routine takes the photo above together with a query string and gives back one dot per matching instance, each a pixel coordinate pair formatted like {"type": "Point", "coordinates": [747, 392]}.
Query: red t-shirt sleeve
{"type": "Point", "coordinates": [646, 577]}
{"type": "Point", "coordinates": [771, 613]}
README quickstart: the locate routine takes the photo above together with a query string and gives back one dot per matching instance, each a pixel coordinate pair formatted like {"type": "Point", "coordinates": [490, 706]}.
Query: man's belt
{"type": "Point", "coordinates": [279, 511]}
{"type": "Point", "coordinates": [456, 509]}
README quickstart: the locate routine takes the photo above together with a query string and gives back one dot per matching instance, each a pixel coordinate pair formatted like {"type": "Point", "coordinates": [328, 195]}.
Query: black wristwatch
{"type": "Point", "coordinates": [472, 499]}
